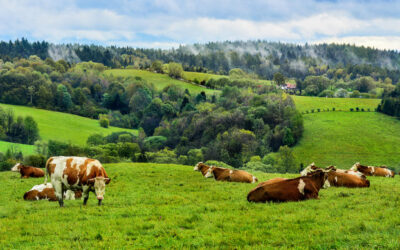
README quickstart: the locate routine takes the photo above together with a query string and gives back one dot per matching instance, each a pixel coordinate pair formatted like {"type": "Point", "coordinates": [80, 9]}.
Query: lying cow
{"type": "Point", "coordinates": [202, 168]}
{"type": "Point", "coordinates": [297, 189]}
{"type": "Point", "coordinates": [46, 192]}
{"type": "Point", "coordinates": [338, 179]}
{"type": "Point", "coordinates": [27, 171]}
{"type": "Point", "coordinates": [270, 181]}
{"type": "Point", "coordinates": [311, 168]}
{"type": "Point", "coordinates": [373, 171]}
{"type": "Point", "coordinates": [77, 173]}
{"type": "Point", "coordinates": [225, 174]}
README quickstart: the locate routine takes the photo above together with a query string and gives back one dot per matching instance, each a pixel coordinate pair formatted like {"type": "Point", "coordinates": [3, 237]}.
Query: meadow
{"type": "Point", "coordinates": [172, 206]}
{"type": "Point", "coordinates": [62, 126]}
{"type": "Point", "coordinates": [24, 148]}
{"type": "Point", "coordinates": [307, 103]}
{"type": "Point", "coordinates": [160, 81]}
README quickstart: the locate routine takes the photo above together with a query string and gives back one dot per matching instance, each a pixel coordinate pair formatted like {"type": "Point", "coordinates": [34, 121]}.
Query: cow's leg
{"type": "Point", "coordinates": [58, 189]}
{"type": "Point", "coordinates": [85, 194]}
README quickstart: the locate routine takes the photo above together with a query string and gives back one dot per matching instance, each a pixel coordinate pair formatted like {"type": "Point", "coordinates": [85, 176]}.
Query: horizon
{"type": "Point", "coordinates": [169, 24]}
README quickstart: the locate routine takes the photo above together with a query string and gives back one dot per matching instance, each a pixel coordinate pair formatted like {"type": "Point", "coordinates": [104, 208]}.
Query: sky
{"type": "Point", "coordinates": [170, 23]}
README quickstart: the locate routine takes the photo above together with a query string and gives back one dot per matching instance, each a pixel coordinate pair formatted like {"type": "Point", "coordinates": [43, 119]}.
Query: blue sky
{"type": "Point", "coordinates": [168, 23]}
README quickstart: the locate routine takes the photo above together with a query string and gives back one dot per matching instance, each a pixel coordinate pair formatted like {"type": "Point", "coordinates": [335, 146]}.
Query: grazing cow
{"type": "Point", "coordinates": [27, 171]}
{"type": "Point", "coordinates": [202, 168]}
{"type": "Point", "coordinates": [300, 188]}
{"type": "Point", "coordinates": [46, 192]}
{"type": "Point", "coordinates": [372, 170]}
{"type": "Point", "coordinates": [77, 173]}
{"type": "Point", "coordinates": [225, 174]}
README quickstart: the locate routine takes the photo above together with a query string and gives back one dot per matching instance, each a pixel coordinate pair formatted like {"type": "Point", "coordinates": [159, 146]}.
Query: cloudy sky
{"type": "Point", "coordinates": [167, 23]}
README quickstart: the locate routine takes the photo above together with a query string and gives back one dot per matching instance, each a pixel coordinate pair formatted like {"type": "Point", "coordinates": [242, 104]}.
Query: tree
{"type": "Point", "coordinates": [175, 70]}
{"type": "Point", "coordinates": [286, 160]}
{"type": "Point", "coordinates": [157, 66]}
{"type": "Point", "coordinates": [279, 79]}
{"type": "Point", "coordinates": [31, 130]}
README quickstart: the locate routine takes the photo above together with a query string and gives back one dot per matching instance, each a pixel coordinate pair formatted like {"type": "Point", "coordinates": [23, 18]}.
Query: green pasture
{"type": "Point", "coordinates": [150, 206]}
{"type": "Point", "coordinates": [343, 138]}
{"type": "Point", "coordinates": [307, 103]}
{"type": "Point", "coordinates": [160, 81]}
{"type": "Point", "coordinates": [24, 148]}
{"type": "Point", "coordinates": [191, 76]}
{"type": "Point", "coordinates": [62, 126]}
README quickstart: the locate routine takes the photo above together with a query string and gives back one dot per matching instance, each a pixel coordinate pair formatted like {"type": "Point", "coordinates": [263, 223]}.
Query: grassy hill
{"type": "Point", "coordinates": [307, 103]}
{"type": "Point", "coordinates": [24, 148]}
{"type": "Point", "coordinates": [171, 206]}
{"type": "Point", "coordinates": [160, 81]}
{"type": "Point", "coordinates": [343, 138]}
{"type": "Point", "coordinates": [62, 126]}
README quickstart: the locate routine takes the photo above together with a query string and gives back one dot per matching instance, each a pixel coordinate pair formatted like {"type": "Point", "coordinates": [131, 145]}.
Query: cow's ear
{"type": "Point", "coordinates": [107, 180]}
{"type": "Point", "coordinates": [91, 181]}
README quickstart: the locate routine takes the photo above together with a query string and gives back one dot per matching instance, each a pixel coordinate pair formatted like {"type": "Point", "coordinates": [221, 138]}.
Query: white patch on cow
{"type": "Point", "coordinates": [209, 173]}
{"type": "Point", "coordinates": [307, 169]}
{"type": "Point", "coordinates": [301, 186]}
{"type": "Point", "coordinates": [372, 169]}
{"type": "Point", "coordinates": [340, 171]}
{"type": "Point", "coordinates": [389, 172]}
{"type": "Point", "coordinates": [196, 168]}
{"type": "Point", "coordinates": [37, 198]}
{"type": "Point", "coordinates": [336, 179]}
{"type": "Point", "coordinates": [354, 167]}
{"type": "Point", "coordinates": [327, 184]}
{"type": "Point", "coordinates": [16, 167]}
{"type": "Point", "coordinates": [41, 187]}
{"type": "Point", "coordinates": [230, 171]}
{"type": "Point", "coordinates": [254, 179]}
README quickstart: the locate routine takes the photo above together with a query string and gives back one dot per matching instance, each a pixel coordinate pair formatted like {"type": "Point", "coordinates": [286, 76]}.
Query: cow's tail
{"type": "Point", "coordinates": [46, 171]}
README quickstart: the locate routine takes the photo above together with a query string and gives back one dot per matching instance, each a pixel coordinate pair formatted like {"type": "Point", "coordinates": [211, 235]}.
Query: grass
{"type": "Point", "coordinates": [62, 126]}
{"type": "Point", "coordinates": [24, 148]}
{"type": "Point", "coordinates": [191, 76]}
{"type": "Point", "coordinates": [307, 103]}
{"type": "Point", "coordinates": [171, 206]}
{"type": "Point", "coordinates": [160, 81]}
{"type": "Point", "coordinates": [343, 138]}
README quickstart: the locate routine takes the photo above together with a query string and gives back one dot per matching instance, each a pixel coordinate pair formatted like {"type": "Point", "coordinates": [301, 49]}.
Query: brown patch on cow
{"type": "Point", "coordinates": [203, 168]}
{"type": "Point", "coordinates": [71, 172]}
{"type": "Point", "coordinates": [224, 174]}
{"type": "Point", "coordinates": [347, 180]}
{"type": "Point", "coordinates": [28, 171]}
{"type": "Point", "coordinates": [274, 180]}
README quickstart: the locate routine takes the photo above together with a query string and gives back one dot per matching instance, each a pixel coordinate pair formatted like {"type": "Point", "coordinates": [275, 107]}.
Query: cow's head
{"type": "Point", "coordinates": [355, 166]}
{"type": "Point", "coordinates": [16, 167]}
{"type": "Point", "coordinates": [99, 184]}
{"type": "Point", "coordinates": [196, 168]}
{"type": "Point", "coordinates": [308, 169]}
{"type": "Point", "coordinates": [210, 172]}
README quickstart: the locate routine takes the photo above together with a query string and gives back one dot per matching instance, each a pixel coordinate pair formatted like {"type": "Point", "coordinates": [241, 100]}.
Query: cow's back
{"type": "Point", "coordinates": [241, 176]}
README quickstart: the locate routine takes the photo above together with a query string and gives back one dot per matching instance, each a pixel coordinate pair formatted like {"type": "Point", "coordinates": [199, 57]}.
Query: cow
{"type": "Point", "coordinates": [338, 179]}
{"type": "Point", "coordinates": [202, 168]}
{"type": "Point", "coordinates": [297, 189]}
{"type": "Point", "coordinates": [46, 192]}
{"type": "Point", "coordinates": [372, 170]}
{"type": "Point", "coordinates": [77, 173]}
{"type": "Point", "coordinates": [310, 168]}
{"type": "Point", "coordinates": [27, 171]}
{"type": "Point", "coordinates": [225, 174]}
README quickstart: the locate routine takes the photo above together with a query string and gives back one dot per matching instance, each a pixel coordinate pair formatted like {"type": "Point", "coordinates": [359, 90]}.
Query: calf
{"type": "Point", "coordinates": [77, 173]}
{"type": "Point", "coordinates": [300, 188]}
{"type": "Point", "coordinates": [224, 174]}
{"type": "Point", "coordinates": [46, 192]}
{"type": "Point", "coordinates": [27, 171]}
{"type": "Point", "coordinates": [202, 168]}
{"type": "Point", "coordinates": [372, 170]}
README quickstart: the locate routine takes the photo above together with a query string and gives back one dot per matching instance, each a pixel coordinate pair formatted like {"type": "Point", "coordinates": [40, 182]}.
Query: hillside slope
{"type": "Point", "coordinates": [172, 206]}
{"type": "Point", "coordinates": [62, 126]}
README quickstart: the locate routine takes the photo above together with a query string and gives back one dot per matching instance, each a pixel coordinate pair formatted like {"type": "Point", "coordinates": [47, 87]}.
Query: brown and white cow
{"type": "Point", "coordinates": [372, 170]}
{"type": "Point", "coordinates": [77, 173]}
{"type": "Point", "coordinates": [297, 189]}
{"type": "Point", "coordinates": [27, 171]}
{"type": "Point", "coordinates": [337, 179]}
{"type": "Point", "coordinates": [46, 192]}
{"type": "Point", "coordinates": [312, 167]}
{"type": "Point", "coordinates": [225, 174]}
{"type": "Point", "coordinates": [270, 181]}
{"type": "Point", "coordinates": [202, 168]}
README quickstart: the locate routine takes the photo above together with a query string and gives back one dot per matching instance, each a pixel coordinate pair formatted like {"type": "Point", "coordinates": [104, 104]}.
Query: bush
{"type": "Point", "coordinates": [194, 156]}
{"type": "Point", "coordinates": [6, 165]}
{"type": "Point", "coordinates": [154, 143]}
{"type": "Point", "coordinates": [312, 110]}
{"type": "Point", "coordinates": [95, 139]}
{"type": "Point", "coordinates": [38, 161]}
{"type": "Point", "coordinates": [127, 149]}
{"type": "Point", "coordinates": [319, 110]}
{"type": "Point", "coordinates": [163, 156]}
{"type": "Point", "coordinates": [259, 166]}
{"type": "Point", "coordinates": [104, 122]}
{"type": "Point", "coordinates": [362, 109]}
{"type": "Point", "coordinates": [333, 109]}
{"type": "Point", "coordinates": [357, 109]}
{"type": "Point", "coordinates": [351, 109]}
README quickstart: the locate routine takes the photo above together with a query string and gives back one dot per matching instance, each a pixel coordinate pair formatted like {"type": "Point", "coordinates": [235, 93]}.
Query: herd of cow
{"type": "Point", "coordinates": [305, 187]}
{"type": "Point", "coordinates": [74, 177]}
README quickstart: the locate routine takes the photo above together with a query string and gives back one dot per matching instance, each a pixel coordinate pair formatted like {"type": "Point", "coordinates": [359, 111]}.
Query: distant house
{"type": "Point", "coordinates": [289, 87]}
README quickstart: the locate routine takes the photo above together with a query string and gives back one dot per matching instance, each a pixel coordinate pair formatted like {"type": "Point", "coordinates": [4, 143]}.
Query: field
{"type": "Point", "coordinates": [24, 148]}
{"type": "Point", "coordinates": [160, 81]}
{"type": "Point", "coordinates": [62, 126]}
{"type": "Point", "coordinates": [171, 206]}
{"type": "Point", "coordinates": [307, 103]}
{"type": "Point", "coordinates": [343, 138]}
{"type": "Point", "coordinates": [191, 76]}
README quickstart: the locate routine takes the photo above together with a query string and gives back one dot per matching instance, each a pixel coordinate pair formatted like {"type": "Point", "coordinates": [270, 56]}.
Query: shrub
{"type": "Point", "coordinates": [351, 109]}
{"type": "Point", "coordinates": [154, 143]}
{"type": "Point", "coordinates": [357, 109]}
{"type": "Point", "coordinates": [6, 165]}
{"type": "Point", "coordinates": [259, 166]}
{"type": "Point", "coordinates": [163, 156]}
{"type": "Point", "coordinates": [95, 139]}
{"type": "Point", "coordinates": [38, 161]}
{"type": "Point", "coordinates": [319, 110]}
{"type": "Point", "coordinates": [104, 122]}
{"type": "Point", "coordinates": [127, 149]}
{"type": "Point", "coordinates": [362, 109]}
{"type": "Point", "coordinates": [312, 110]}
{"type": "Point", "coordinates": [333, 109]}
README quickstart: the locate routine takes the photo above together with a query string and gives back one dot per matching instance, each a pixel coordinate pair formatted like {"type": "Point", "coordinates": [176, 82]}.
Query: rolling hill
{"type": "Point", "coordinates": [343, 138]}
{"type": "Point", "coordinates": [62, 126]}
{"type": "Point", "coordinates": [171, 206]}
